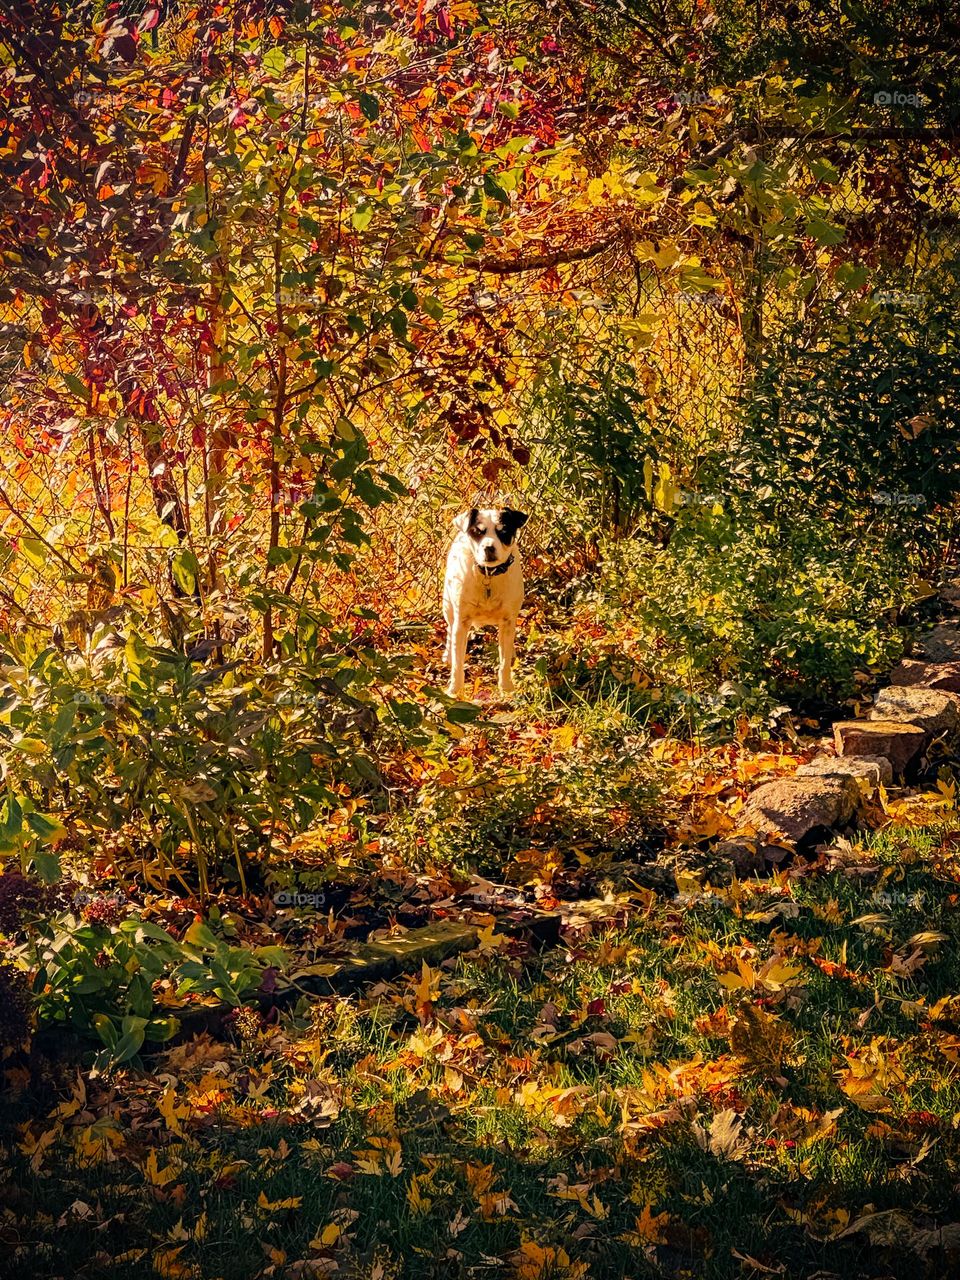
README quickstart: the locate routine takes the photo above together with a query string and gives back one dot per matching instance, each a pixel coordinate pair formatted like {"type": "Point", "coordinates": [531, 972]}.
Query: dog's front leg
{"type": "Point", "coordinates": [506, 634]}
{"type": "Point", "coordinates": [457, 646]}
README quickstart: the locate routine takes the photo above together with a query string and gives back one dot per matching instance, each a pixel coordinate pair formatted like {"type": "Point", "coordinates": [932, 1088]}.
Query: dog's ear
{"type": "Point", "coordinates": [465, 519]}
{"type": "Point", "coordinates": [513, 520]}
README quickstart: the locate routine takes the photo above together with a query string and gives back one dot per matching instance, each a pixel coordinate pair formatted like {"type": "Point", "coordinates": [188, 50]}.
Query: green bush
{"type": "Point", "coordinates": [98, 967]}
{"type": "Point", "coordinates": [790, 612]}
{"type": "Point", "coordinates": [178, 766]}
{"type": "Point", "coordinates": [856, 408]}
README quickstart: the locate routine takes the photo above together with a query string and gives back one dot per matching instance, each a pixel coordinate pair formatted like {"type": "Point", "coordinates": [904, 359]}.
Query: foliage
{"type": "Point", "coordinates": [856, 410]}
{"type": "Point", "coordinates": [184, 767]}
{"type": "Point", "coordinates": [762, 1071]}
{"type": "Point", "coordinates": [529, 808]}
{"type": "Point", "coordinates": [794, 609]}
{"type": "Point", "coordinates": [106, 973]}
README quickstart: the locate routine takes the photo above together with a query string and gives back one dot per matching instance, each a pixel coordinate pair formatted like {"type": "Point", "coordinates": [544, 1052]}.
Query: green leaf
{"type": "Point", "coordinates": [77, 386]}
{"type": "Point", "coordinates": [826, 233]}
{"type": "Point", "coordinates": [185, 571]}
{"type": "Point", "coordinates": [11, 823]}
{"type": "Point", "coordinates": [362, 217]}
{"type": "Point", "coordinates": [274, 62]}
{"type": "Point", "coordinates": [823, 171]}
{"type": "Point", "coordinates": [162, 1029]}
{"type": "Point", "coordinates": [105, 1029]}
{"type": "Point", "coordinates": [35, 550]}
{"type": "Point", "coordinates": [370, 106]}
{"type": "Point", "coordinates": [199, 935]}
{"type": "Point", "coordinates": [135, 653]}
{"type": "Point", "coordinates": [128, 1046]}
{"type": "Point", "coordinates": [462, 712]}
{"type": "Point", "coordinates": [44, 827]}
{"type": "Point", "coordinates": [493, 189]}
{"type": "Point", "coordinates": [48, 867]}
{"type": "Point", "coordinates": [281, 555]}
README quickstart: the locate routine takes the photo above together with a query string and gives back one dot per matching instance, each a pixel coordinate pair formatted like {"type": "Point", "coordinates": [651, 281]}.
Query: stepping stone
{"type": "Point", "coordinates": [874, 769]}
{"type": "Point", "coordinates": [932, 675]}
{"type": "Point", "coordinates": [897, 742]}
{"type": "Point", "coordinates": [942, 644]}
{"type": "Point", "coordinates": [800, 806]}
{"type": "Point", "coordinates": [931, 709]}
{"type": "Point", "coordinates": [431, 944]}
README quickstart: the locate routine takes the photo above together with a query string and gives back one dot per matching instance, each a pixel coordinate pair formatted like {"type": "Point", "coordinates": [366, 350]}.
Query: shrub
{"type": "Point", "coordinates": [792, 611]}
{"type": "Point", "coordinates": [100, 969]}
{"type": "Point", "coordinates": [180, 766]}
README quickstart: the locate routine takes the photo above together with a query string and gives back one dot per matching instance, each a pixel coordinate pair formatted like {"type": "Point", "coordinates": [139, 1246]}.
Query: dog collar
{"type": "Point", "coordinates": [496, 569]}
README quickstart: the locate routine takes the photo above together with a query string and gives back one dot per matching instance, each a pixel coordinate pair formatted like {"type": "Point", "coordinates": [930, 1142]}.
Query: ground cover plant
{"type": "Point", "coordinates": [308, 969]}
{"type": "Point", "coordinates": [706, 1086]}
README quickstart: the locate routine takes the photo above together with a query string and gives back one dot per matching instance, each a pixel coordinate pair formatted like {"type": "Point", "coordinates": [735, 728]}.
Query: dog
{"type": "Point", "coordinates": [483, 586]}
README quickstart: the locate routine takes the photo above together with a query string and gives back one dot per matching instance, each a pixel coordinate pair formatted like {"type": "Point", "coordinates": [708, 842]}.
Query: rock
{"type": "Point", "coordinates": [745, 857]}
{"type": "Point", "coordinates": [874, 769]}
{"type": "Point", "coordinates": [897, 742]}
{"type": "Point", "coordinates": [932, 675]}
{"type": "Point", "coordinates": [931, 709]}
{"type": "Point", "coordinates": [431, 944]}
{"type": "Point", "coordinates": [798, 807]}
{"type": "Point", "coordinates": [942, 644]}
{"type": "Point", "coordinates": [950, 591]}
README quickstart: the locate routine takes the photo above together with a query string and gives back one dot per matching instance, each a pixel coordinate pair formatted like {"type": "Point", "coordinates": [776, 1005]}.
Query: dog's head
{"type": "Point", "coordinates": [490, 532]}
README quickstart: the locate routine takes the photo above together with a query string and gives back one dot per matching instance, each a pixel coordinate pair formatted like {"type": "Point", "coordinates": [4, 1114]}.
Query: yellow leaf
{"type": "Point", "coordinates": [274, 1206]}
{"type": "Point", "coordinates": [328, 1236]}
{"type": "Point", "coordinates": [428, 987]}
{"type": "Point", "coordinates": [156, 1176]}
{"type": "Point", "coordinates": [171, 1113]}
{"type": "Point", "coordinates": [650, 1227]}
{"type": "Point", "coordinates": [490, 941]}
{"type": "Point", "coordinates": [166, 1262]}
{"type": "Point", "coordinates": [418, 1202]}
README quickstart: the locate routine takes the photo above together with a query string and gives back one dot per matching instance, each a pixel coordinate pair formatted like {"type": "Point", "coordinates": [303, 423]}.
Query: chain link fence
{"type": "Point", "coordinates": [86, 515]}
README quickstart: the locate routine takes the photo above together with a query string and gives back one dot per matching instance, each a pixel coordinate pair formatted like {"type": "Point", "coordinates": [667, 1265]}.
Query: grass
{"type": "Point", "coordinates": [633, 1103]}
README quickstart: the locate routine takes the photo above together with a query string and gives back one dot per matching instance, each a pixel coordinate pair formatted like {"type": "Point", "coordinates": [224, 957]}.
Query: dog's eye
{"type": "Point", "coordinates": [475, 532]}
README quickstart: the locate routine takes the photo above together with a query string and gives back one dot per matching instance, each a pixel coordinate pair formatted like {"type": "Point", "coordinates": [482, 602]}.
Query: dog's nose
{"type": "Point", "coordinates": [490, 552]}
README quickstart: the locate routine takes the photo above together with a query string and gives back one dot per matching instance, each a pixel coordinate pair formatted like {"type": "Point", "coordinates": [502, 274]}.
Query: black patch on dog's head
{"type": "Point", "coordinates": [466, 521]}
{"type": "Point", "coordinates": [509, 522]}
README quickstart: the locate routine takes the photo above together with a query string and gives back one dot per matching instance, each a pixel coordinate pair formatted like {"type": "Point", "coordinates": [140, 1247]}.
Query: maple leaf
{"type": "Point", "coordinates": [167, 1263]}
{"type": "Point", "coordinates": [760, 1039]}
{"type": "Point", "coordinates": [533, 1261]}
{"type": "Point", "coordinates": [156, 1176]}
{"type": "Point", "coordinates": [648, 1228]}
{"type": "Point", "coordinates": [871, 1073]}
{"type": "Point", "coordinates": [275, 1206]}
{"type": "Point", "coordinates": [723, 1138]}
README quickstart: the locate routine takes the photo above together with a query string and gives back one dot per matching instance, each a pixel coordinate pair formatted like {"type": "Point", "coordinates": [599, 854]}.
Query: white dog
{"type": "Point", "coordinates": [483, 587]}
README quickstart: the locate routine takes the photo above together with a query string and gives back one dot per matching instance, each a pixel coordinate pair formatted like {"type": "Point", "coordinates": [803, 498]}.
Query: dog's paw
{"type": "Point", "coordinates": [453, 690]}
{"type": "Point", "coordinates": [507, 688]}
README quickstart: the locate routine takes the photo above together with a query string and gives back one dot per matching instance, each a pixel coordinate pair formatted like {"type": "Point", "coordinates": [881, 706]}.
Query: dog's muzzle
{"type": "Point", "coordinates": [492, 570]}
